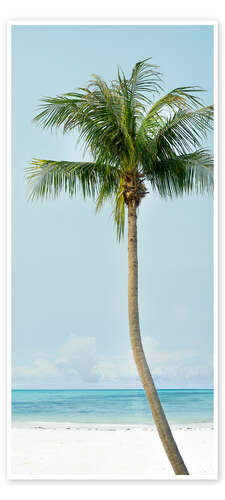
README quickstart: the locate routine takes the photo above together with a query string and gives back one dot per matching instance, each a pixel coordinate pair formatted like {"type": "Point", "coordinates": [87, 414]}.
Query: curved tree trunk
{"type": "Point", "coordinates": [138, 352]}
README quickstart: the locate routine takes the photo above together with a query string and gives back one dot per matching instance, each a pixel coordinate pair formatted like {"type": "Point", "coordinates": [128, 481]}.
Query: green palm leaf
{"type": "Point", "coordinates": [183, 174]}
{"type": "Point", "coordinates": [145, 79]}
{"type": "Point", "coordinates": [178, 134]}
{"type": "Point", "coordinates": [48, 178]}
{"type": "Point", "coordinates": [59, 110]}
{"type": "Point", "coordinates": [176, 99]}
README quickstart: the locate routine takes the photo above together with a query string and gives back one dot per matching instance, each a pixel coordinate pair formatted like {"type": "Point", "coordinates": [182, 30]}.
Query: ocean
{"type": "Point", "coordinates": [114, 406]}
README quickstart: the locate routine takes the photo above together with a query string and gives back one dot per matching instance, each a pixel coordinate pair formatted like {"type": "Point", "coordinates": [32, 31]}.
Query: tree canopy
{"type": "Point", "coordinates": [132, 138]}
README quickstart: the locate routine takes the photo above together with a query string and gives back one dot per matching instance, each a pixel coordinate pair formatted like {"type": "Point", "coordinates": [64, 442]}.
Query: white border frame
{"type": "Point", "coordinates": [103, 477]}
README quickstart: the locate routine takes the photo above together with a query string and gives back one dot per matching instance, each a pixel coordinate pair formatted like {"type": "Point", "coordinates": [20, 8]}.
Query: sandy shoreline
{"type": "Point", "coordinates": [54, 450]}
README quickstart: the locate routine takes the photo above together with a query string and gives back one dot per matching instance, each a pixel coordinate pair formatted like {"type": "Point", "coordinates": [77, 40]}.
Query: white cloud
{"type": "Point", "coordinates": [78, 362]}
{"type": "Point", "coordinates": [78, 355]}
{"type": "Point", "coordinates": [39, 368]}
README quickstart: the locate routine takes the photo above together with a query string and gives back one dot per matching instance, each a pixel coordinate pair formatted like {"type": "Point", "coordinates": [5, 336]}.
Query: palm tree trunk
{"type": "Point", "coordinates": [138, 352]}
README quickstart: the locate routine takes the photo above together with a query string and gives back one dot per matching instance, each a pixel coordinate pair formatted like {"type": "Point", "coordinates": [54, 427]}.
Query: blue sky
{"type": "Point", "coordinates": [69, 288]}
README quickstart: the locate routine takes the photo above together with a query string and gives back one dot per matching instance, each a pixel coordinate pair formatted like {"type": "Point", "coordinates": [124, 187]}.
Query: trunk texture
{"type": "Point", "coordinates": [138, 352]}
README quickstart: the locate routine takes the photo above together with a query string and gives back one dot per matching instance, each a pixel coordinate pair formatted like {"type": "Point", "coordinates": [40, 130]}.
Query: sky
{"type": "Point", "coordinates": [69, 274]}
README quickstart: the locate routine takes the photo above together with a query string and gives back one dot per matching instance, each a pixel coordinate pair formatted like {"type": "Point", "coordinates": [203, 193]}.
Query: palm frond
{"type": "Point", "coordinates": [97, 111]}
{"type": "Point", "coordinates": [177, 99]}
{"type": "Point", "coordinates": [181, 133]}
{"type": "Point", "coordinates": [186, 173]}
{"type": "Point", "coordinates": [47, 178]}
{"type": "Point", "coordinates": [58, 111]}
{"type": "Point", "coordinates": [101, 122]}
{"type": "Point", "coordinates": [145, 79]}
{"type": "Point", "coordinates": [135, 92]}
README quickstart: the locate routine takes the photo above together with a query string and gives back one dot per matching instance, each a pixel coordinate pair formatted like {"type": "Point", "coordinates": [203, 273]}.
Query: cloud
{"type": "Point", "coordinates": [78, 363]}
{"type": "Point", "coordinates": [78, 356]}
{"type": "Point", "coordinates": [39, 368]}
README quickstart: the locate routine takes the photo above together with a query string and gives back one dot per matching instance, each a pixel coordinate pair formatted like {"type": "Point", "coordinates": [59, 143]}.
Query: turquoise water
{"type": "Point", "coordinates": [110, 406]}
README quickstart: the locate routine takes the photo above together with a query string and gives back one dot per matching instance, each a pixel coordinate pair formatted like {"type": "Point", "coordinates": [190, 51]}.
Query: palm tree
{"type": "Point", "coordinates": [132, 142]}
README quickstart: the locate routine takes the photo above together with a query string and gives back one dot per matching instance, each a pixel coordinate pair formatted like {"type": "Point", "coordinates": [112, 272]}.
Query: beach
{"type": "Point", "coordinates": [108, 434]}
{"type": "Point", "coordinates": [57, 450]}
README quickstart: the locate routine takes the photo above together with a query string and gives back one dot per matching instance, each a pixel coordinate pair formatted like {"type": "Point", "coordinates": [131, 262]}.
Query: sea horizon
{"type": "Point", "coordinates": [110, 406]}
{"type": "Point", "coordinates": [119, 389]}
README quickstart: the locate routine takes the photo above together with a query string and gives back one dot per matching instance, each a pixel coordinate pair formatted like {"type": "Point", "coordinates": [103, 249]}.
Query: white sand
{"type": "Point", "coordinates": [75, 451]}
